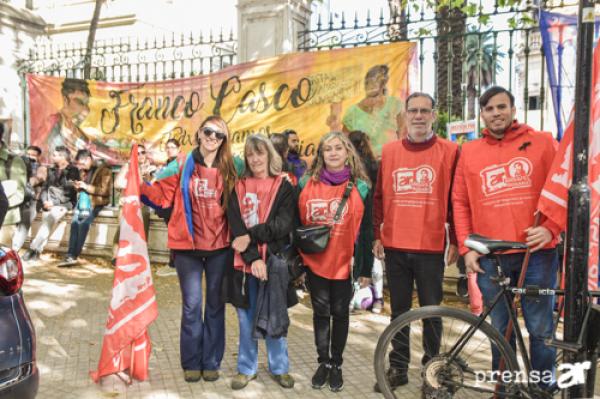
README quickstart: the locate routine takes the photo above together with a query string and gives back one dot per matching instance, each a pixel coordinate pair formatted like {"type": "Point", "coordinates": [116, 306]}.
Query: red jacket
{"type": "Point", "coordinates": [497, 184]}
{"type": "Point", "coordinates": [172, 189]}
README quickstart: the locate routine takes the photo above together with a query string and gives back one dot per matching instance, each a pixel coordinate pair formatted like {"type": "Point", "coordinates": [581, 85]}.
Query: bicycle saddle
{"type": "Point", "coordinates": [486, 246]}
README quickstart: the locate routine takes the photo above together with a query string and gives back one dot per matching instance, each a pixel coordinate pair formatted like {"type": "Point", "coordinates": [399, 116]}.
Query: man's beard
{"type": "Point", "coordinates": [293, 151]}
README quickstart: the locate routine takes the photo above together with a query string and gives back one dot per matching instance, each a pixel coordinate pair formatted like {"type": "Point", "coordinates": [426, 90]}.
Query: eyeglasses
{"type": "Point", "coordinates": [414, 111]}
{"type": "Point", "coordinates": [141, 152]}
{"type": "Point", "coordinates": [209, 132]}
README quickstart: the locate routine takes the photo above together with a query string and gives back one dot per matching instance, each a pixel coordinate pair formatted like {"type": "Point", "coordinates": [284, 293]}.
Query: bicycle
{"type": "Point", "coordinates": [444, 367]}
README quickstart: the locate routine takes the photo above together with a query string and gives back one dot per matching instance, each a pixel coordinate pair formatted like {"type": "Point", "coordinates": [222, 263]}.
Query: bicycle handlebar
{"type": "Point", "coordinates": [537, 291]}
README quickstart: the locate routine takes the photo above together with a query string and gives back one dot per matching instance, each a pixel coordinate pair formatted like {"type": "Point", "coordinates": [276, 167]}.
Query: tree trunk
{"type": "Point", "coordinates": [451, 25]}
{"type": "Point", "coordinates": [87, 61]}
{"type": "Point", "coordinates": [471, 96]}
{"type": "Point", "coordinates": [398, 28]}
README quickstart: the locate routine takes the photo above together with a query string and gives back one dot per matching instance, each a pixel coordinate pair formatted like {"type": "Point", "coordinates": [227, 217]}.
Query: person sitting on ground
{"type": "Point", "coordinates": [36, 175]}
{"type": "Point", "coordinates": [13, 176]}
{"type": "Point", "coordinates": [57, 198]}
{"type": "Point", "coordinates": [93, 193]}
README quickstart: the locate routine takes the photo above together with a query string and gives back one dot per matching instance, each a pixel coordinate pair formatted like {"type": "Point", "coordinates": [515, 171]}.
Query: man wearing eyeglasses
{"type": "Point", "coordinates": [411, 221]}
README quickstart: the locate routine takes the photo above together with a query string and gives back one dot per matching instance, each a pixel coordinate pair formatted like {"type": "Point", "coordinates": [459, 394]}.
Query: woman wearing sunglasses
{"type": "Point", "coordinates": [198, 186]}
{"type": "Point", "coordinates": [329, 272]}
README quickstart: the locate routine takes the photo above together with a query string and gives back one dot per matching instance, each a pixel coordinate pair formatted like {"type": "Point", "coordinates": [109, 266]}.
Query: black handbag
{"type": "Point", "coordinates": [294, 262]}
{"type": "Point", "coordinates": [313, 239]}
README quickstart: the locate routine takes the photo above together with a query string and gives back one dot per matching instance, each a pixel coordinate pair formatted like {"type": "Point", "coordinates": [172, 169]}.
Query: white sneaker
{"type": "Point", "coordinates": [377, 307]}
{"type": "Point", "coordinates": [166, 271]}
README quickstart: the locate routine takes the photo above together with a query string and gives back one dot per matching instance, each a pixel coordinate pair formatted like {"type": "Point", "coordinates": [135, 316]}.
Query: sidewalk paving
{"type": "Point", "coordinates": [69, 306]}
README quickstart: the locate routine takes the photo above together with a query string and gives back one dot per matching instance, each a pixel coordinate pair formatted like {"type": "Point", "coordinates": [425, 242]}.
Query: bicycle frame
{"type": "Point", "coordinates": [506, 294]}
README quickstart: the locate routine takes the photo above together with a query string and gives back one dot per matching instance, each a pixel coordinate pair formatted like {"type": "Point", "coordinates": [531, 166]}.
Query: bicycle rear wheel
{"type": "Point", "coordinates": [417, 345]}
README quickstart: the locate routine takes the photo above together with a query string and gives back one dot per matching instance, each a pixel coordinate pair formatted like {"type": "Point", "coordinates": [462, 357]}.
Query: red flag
{"type": "Point", "coordinates": [553, 199]}
{"type": "Point", "coordinates": [126, 344]}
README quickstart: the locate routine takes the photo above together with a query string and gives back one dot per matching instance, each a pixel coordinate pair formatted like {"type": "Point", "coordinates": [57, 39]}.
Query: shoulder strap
{"type": "Point", "coordinates": [342, 204]}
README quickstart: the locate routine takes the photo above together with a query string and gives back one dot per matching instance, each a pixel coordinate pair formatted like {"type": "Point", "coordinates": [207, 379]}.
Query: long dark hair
{"type": "Point", "coordinates": [224, 158]}
{"type": "Point", "coordinates": [362, 143]}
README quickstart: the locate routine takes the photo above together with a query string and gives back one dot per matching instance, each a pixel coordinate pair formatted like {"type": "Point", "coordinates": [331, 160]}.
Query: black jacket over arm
{"type": "Point", "coordinates": [275, 232]}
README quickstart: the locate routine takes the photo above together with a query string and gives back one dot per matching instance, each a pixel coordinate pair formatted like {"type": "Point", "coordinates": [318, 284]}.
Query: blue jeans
{"type": "Point", "coordinates": [543, 266]}
{"type": "Point", "coordinates": [277, 352]}
{"type": "Point", "coordinates": [79, 231]}
{"type": "Point", "coordinates": [202, 340]}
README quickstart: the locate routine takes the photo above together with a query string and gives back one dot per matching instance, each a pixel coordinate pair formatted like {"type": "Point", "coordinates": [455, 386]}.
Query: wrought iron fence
{"type": "Point", "coordinates": [495, 45]}
{"type": "Point", "coordinates": [137, 60]}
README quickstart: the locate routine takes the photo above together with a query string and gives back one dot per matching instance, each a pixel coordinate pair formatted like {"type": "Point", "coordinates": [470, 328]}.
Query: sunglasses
{"type": "Point", "coordinates": [209, 132]}
{"type": "Point", "coordinates": [141, 152]}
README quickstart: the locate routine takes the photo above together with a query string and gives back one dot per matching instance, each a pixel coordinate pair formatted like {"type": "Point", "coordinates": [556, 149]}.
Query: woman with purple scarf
{"type": "Point", "coordinates": [335, 168]}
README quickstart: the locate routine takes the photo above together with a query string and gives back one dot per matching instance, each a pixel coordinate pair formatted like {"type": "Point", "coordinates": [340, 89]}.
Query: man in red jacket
{"type": "Point", "coordinates": [410, 211]}
{"type": "Point", "coordinates": [496, 188]}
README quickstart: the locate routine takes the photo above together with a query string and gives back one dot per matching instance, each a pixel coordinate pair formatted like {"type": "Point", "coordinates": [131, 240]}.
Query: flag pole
{"type": "Point", "coordinates": [577, 240]}
{"type": "Point", "coordinates": [132, 363]}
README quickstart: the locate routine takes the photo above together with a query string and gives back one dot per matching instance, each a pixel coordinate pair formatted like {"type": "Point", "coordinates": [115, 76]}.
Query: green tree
{"type": "Point", "coordinates": [451, 26]}
{"type": "Point", "coordinates": [481, 64]}
{"type": "Point", "coordinates": [398, 29]}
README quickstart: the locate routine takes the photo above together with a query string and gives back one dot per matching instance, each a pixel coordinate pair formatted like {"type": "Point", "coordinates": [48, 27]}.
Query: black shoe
{"type": "Point", "coordinates": [396, 378]}
{"type": "Point", "coordinates": [462, 287]}
{"type": "Point", "coordinates": [321, 375]}
{"type": "Point", "coordinates": [336, 382]}
{"type": "Point", "coordinates": [31, 255]}
{"type": "Point", "coordinates": [35, 256]}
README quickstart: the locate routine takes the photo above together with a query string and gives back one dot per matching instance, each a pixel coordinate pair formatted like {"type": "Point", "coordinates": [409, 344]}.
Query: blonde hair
{"type": "Point", "coordinates": [357, 170]}
{"type": "Point", "coordinates": [261, 144]}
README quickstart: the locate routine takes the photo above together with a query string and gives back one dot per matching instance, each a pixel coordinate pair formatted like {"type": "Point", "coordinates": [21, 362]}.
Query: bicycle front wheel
{"type": "Point", "coordinates": [414, 357]}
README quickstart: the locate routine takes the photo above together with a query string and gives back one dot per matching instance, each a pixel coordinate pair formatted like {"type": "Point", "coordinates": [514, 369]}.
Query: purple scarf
{"type": "Point", "coordinates": [335, 178]}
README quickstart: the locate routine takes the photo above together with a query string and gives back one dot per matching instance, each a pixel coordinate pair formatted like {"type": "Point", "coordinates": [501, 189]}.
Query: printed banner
{"type": "Point", "coordinates": [559, 39]}
{"type": "Point", "coordinates": [554, 196]}
{"type": "Point", "coordinates": [311, 93]}
{"type": "Point", "coordinates": [462, 131]}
